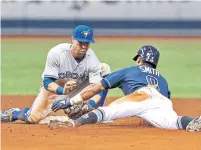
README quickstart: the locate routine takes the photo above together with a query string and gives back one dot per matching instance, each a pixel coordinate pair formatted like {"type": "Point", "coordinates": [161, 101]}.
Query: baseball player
{"type": "Point", "coordinates": [146, 96]}
{"type": "Point", "coordinates": [69, 68]}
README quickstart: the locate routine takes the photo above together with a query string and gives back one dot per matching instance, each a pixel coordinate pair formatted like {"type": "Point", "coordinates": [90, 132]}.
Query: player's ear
{"type": "Point", "coordinates": [139, 61]}
{"type": "Point", "coordinates": [72, 39]}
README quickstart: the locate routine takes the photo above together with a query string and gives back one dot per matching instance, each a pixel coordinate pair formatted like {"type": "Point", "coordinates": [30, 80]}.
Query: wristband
{"type": "Point", "coordinates": [92, 103]}
{"type": "Point", "coordinates": [59, 90]}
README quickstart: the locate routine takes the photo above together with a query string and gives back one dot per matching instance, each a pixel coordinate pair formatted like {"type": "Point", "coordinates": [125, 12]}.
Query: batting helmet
{"type": "Point", "coordinates": [148, 54]}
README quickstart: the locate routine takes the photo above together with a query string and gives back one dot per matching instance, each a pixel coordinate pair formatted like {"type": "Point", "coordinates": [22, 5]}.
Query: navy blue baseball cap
{"type": "Point", "coordinates": [149, 54]}
{"type": "Point", "coordinates": [83, 33]}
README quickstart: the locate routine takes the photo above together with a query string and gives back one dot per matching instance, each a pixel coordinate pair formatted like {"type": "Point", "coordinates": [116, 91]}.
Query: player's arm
{"type": "Point", "coordinates": [111, 81]}
{"type": "Point", "coordinates": [96, 71]}
{"type": "Point", "coordinates": [59, 87]}
{"type": "Point", "coordinates": [50, 75]}
{"type": "Point", "coordinates": [50, 85]}
{"type": "Point", "coordinates": [102, 69]}
{"type": "Point", "coordinates": [88, 93]}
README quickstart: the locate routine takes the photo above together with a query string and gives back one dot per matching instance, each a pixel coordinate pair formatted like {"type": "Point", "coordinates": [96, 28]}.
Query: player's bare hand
{"type": "Point", "coordinates": [69, 86]}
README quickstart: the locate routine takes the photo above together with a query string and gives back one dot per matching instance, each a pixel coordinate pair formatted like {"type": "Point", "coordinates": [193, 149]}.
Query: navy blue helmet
{"type": "Point", "coordinates": [148, 54]}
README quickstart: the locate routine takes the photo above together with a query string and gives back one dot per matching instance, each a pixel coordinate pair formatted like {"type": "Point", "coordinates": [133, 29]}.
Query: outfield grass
{"type": "Point", "coordinates": [180, 62]}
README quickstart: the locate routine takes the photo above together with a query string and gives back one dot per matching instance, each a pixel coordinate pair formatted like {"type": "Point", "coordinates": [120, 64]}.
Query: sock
{"type": "Point", "coordinates": [15, 115]}
{"type": "Point", "coordinates": [94, 116]}
{"type": "Point", "coordinates": [184, 121]}
{"type": "Point", "coordinates": [103, 95]}
{"type": "Point", "coordinates": [20, 115]}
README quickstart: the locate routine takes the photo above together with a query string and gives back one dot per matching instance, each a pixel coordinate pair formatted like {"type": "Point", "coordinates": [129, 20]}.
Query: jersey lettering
{"type": "Point", "coordinates": [68, 74]}
{"type": "Point", "coordinates": [62, 75]}
{"type": "Point", "coordinates": [153, 82]}
{"type": "Point", "coordinates": [149, 70]}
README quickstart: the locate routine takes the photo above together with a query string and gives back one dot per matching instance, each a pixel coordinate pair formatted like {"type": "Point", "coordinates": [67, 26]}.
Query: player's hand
{"type": "Point", "coordinates": [77, 110]}
{"type": "Point", "coordinates": [69, 86]}
{"type": "Point", "coordinates": [62, 104]}
{"type": "Point", "coordinates": [105, 69]}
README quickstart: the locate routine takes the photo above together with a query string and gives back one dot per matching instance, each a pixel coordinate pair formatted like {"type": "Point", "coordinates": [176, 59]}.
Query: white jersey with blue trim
{"type": "Point", "coordinates": [60, 64]}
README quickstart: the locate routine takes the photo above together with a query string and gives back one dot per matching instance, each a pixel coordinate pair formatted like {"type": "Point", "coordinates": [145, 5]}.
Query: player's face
{"type": "Point", "coordinates": [79, 48]}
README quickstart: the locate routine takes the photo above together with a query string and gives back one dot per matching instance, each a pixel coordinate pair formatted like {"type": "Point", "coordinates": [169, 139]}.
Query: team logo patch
{"type": "Point", "coordinates": [86, 33]}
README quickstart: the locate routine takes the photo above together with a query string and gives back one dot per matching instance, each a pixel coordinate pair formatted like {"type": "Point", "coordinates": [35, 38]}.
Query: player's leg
{"type": "Point", "coordinates": [41, 107]}
{"type": "Point", "coordinates": [6, 115]}
{"type": "Point", "coordinates": [126, 106]}
{"type": "Point", "coordinates": [27, 114]}
{"type": "Point", "coordinates": [168, 119]}
{"type": "Point", "coordinates": [157, 110]}
{"type": "Point", "coordinates": [164, 116]}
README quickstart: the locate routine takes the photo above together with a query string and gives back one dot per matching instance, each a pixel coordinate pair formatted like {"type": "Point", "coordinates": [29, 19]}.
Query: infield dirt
{"type": "Point", "coordinates": [129, 133]}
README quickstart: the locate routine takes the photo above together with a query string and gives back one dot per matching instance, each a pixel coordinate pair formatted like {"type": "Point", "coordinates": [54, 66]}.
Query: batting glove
{"type": "Point", "coordinates": [62, 104]}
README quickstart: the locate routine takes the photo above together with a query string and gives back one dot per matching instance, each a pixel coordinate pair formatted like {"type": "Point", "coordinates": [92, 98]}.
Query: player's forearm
{"type": "Point", "coordinates": [91, 91]}
{"type": "Point", "coordinates": [87, 93]}
{"type": "Point", "coordinates": [96, 98]}
{"type": "Point", "coordinates": [60, 87]}
{"type": "Point", "coordinates": [52, 87]}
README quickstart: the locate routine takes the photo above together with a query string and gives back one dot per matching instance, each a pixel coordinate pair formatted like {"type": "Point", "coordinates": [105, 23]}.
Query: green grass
{"type": "Point", "coordinates": [180, 62]}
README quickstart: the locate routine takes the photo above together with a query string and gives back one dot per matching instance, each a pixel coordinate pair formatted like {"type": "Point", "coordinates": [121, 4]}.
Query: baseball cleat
{"type": "Point", "coordinates": [54, 124]}
{"type": "Point", "coordinates": [6, 116]}
{"type": "Point", "coordinates": [194, 125]}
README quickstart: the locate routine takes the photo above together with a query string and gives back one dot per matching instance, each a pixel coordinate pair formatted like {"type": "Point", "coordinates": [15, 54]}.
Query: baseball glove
{"type": "Point", "coordinates": [77, 110]}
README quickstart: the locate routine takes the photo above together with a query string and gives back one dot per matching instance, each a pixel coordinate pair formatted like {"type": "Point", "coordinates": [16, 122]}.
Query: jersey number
{"type": "Point", "coordinates": [152, 81]}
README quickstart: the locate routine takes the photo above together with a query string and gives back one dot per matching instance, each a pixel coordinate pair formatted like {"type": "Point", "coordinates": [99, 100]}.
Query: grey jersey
{"type": "Point", "coordinates": [61, 64]}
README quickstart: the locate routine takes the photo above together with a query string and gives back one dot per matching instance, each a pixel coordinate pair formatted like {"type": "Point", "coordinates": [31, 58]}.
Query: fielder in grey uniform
{"type": "Point", "coordinates": [68, 69]}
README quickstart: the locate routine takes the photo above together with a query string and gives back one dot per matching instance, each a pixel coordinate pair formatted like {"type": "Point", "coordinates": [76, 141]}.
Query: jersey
{"type": "Point", "coordinates": [133, 78]}
{"type": "Point", "coordinates": [60, 64]}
